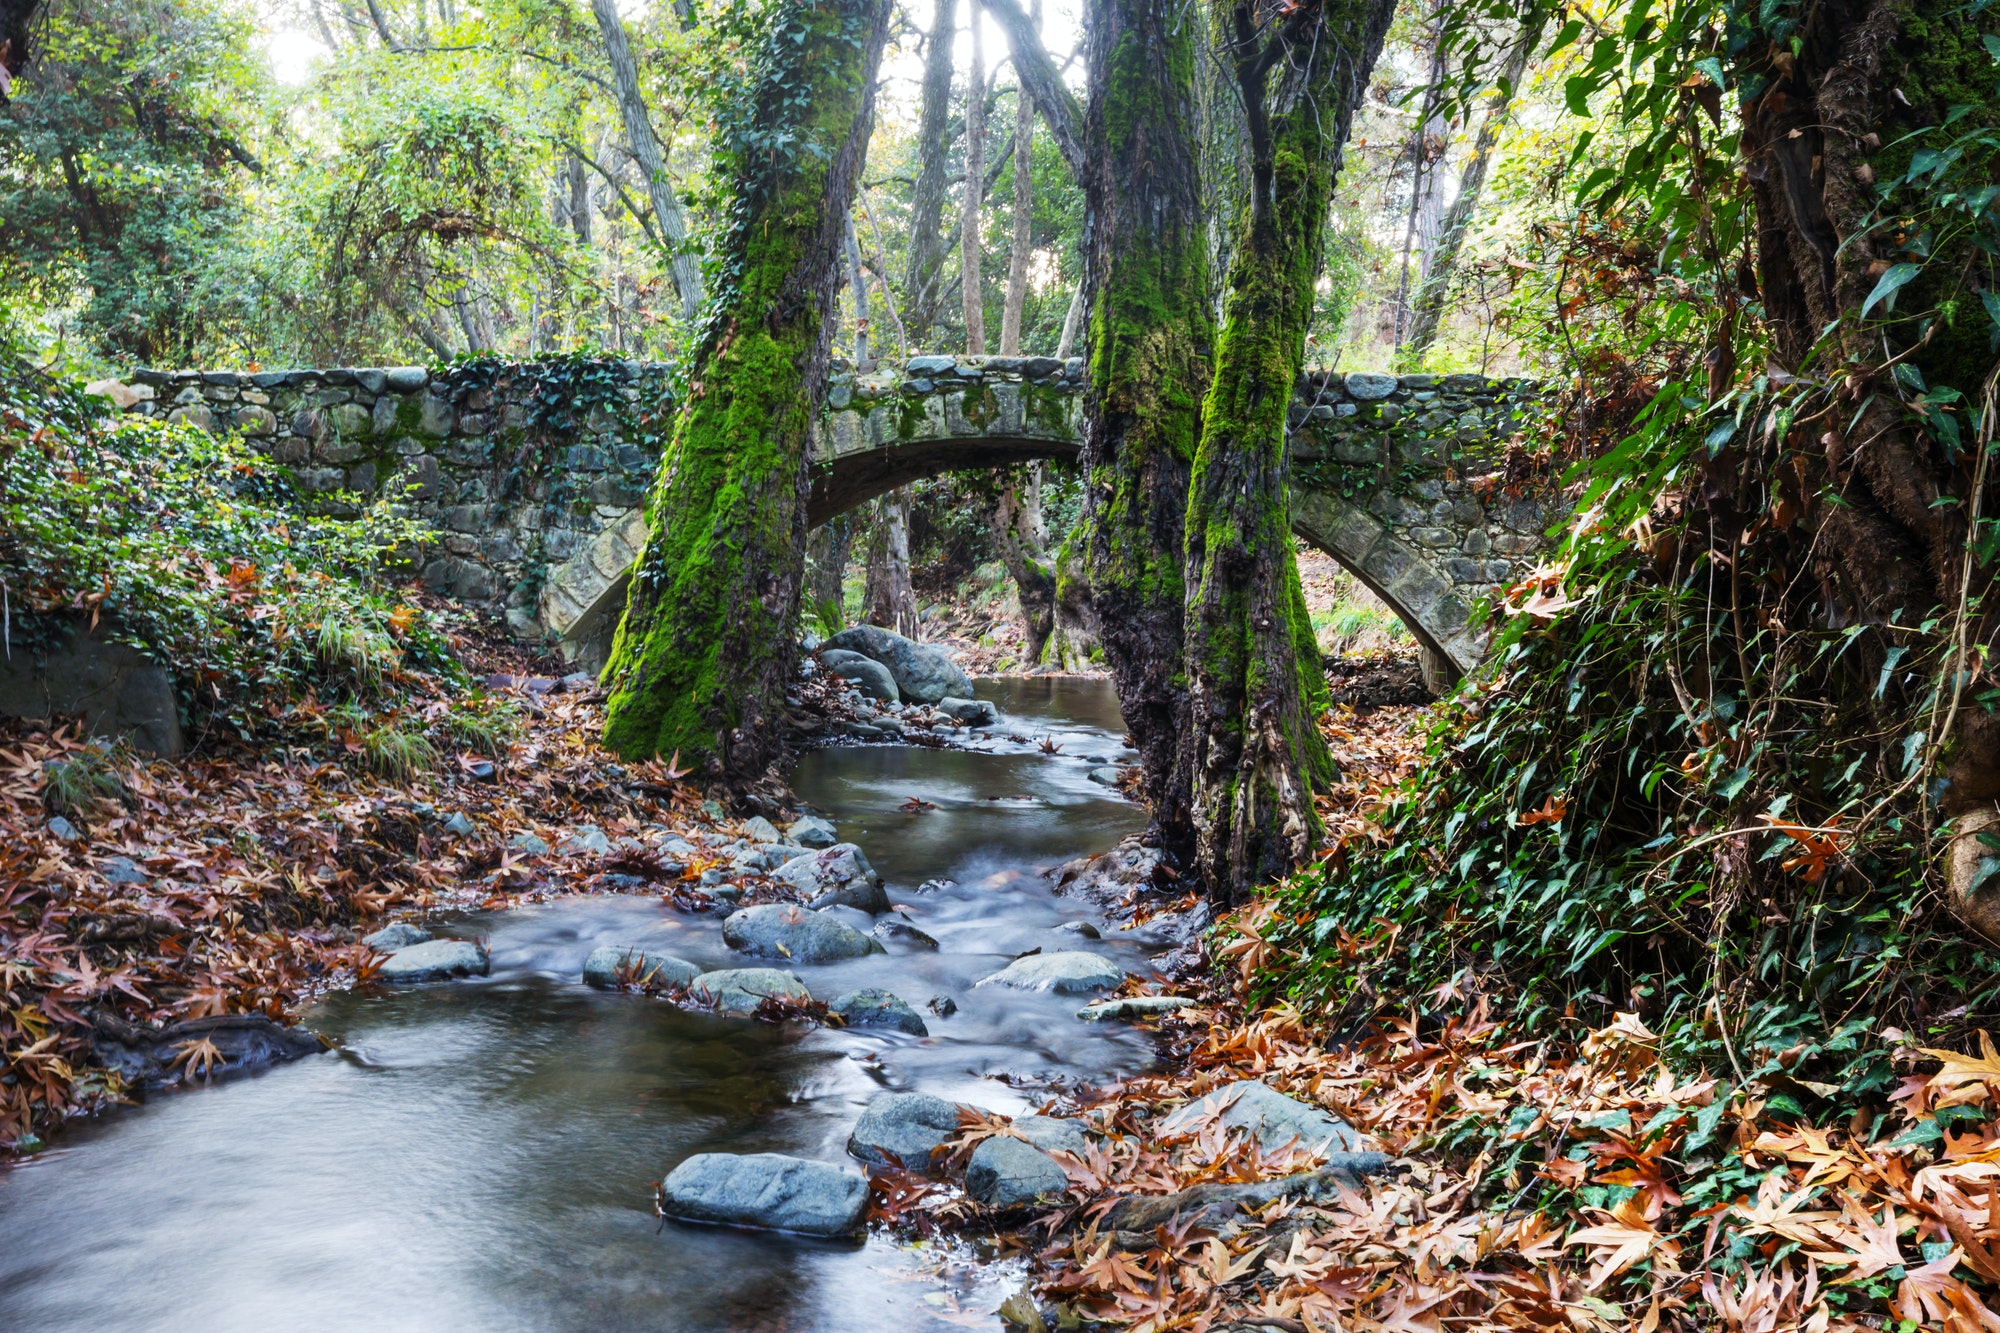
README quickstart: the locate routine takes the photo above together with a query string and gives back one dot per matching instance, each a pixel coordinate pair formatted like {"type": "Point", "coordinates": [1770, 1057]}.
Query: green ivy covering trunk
{"type": "Point", "coordinates": [1151, 336]}
{"type": "Point", "coordinates": [1253, 673]}
{"type": "Point", "coordinates": [701, 659]}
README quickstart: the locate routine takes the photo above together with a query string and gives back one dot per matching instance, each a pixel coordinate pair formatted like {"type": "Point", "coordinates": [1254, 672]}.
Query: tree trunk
{"type": "Point", "coordinates": [701, 659]}
{"type": "Point", "coordinates": [1442, 265]}
{"type": "Point", "coordinates": [857, 288]}
{"type": "Point", "coordinates": [1024, 217]}
{"type": "Point", "coordinates": [826, 573]}
{"type": "Point", "coordinates": [1017, 522]}
{"type": "Point", "coordinates": [579, 200]}
{"type": "Point", "coordinates": [971, 288]}
{"type": "Point", "coordinates": [1865, 84]}
{"type": "Point", "coordinates": [1151, 336]}
{"type": "Point", "coordinates": [923, 286]}
{"type": "Point", "coordinates": [888, 600]}
{"type": "Point", "coordinates": [1038, 75]}
{"type": "Point", "coordinates": [667, 213]}
{"type": "Point", "coordinates": [1257, 752]}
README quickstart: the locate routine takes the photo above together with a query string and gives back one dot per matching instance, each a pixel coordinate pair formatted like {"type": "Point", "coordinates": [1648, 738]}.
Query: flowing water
{"type": "Point", "coordinates": [480, 1154]}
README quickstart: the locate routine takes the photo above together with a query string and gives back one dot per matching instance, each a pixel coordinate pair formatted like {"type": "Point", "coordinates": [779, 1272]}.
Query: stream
{"type": "Point", "coordinates": [481, 1154]}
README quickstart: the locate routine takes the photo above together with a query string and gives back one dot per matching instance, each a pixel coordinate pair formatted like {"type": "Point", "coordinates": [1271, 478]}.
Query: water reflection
{"type": "Point", "coordinates": [480, 1154]}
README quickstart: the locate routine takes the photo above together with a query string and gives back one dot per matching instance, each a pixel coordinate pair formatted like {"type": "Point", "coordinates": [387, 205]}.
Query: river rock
{"type": "Point", "coordinates": [1006, 1172]}
{"type": "Point", "coordinates": [812, 831]}
{"type": "Point", "coordinates": [588, 840]}
{"type": "Point", "coordinates": [902, 932]}
{"type": "Point", "coordinates": [839, 875]}
{"type": "Point", "coordinates": [786, 930]}
{"type": "Point", "coordinates": [1132, 1006]}
{"type": "Point", "coordinates": [903, 1129]}
{"type": "Point", "coordinates": [148, 1055]}
{"type": "Point", "coordinates": [766, 1191]}
{"type": "Point", "coordinates": [972, 712]}
{"type": "Point", "coordinates": [1066, 973]}
{"type": "Point", "coordinates": [1218, 1202]}
{"type": "Point", "coordinates": [1106, 776]}
{"type": "Point", "coordinates": [759, 829]}
{"type": "Point", "coordinates": [1082, 928]}
{"type": "Point", "coordinates": [400, 935]}
{"type": "Point", "coordinates": [922, 674]}
{"type": "Point", "coordinates": [872, 1008]}
{"type": "Point", "coordinates": [739, 990]}
{"type": "Point", "coordinates": [872, 678]}
{"type": "Point", "coordinates": [604, 967]}
{"type": "Point", "coordinates": [122, 870]}
{"type": "Point", "coordinates": [436, 960]}
{"type": "Point", "coordinates": [781, 854]}
{"type": "Point", "coordinates": [1276, 1120]}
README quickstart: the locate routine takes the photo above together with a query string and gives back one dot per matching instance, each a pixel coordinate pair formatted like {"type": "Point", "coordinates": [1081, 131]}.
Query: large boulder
{"type": "Point", "coordinates": [739, 990]}
{"type": "Point", "coordinates": [923, 674]}
{"type": "Point", "coordinates": [766, 1191]}
{"type": "Point", "coordinates": [840, 876]}
{"type": "Point", "coordinates": [1066, 973]}
{"type": "Point", "coordinates": [615, 965]}
{"type": "Point", "coordinates": [903, 1129]}
{"type": "Point", "coordinates": [1277, 1120]}
{"type": "Point", "coordinates": [435, 960]}
{"type": "Point", "coordinates": [1007, 1172]}
{"type": "Point", "coordinates": [872, 1008]}
{"type": "Point", "coordinates": [88, 668]}
{"type": "Point", "coordinates": [786, 930]}
{"type": "Point", "coordinates": [864, 673]}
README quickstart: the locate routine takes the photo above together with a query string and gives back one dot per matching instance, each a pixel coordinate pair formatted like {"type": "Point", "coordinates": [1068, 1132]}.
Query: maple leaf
{"type": "Point", "coordinates": [1870, 1246]}
{"type": "Point", "coordinates": [1921, 1295]}
{"type": "Point", "coordinates": [1617, 1244]}
{"type": "Point", "coordinates": [1552, 812]}
{"type": "Point", "coordinates": [1963, 1069]}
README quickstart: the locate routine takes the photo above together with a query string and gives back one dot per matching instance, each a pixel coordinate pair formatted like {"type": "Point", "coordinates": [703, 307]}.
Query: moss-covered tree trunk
{"type": "Point", "coordinates": [1253, 672]}
{"type": "Point", "coordinates": [1882, 492]}
{"type": "Point", "coordinates": [701, 659]}
{"type": "Point", "coordinates": [1150, 337]}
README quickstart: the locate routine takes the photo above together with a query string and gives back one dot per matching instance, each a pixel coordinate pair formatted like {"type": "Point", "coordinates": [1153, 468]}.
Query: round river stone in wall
{"type": "Point", "coordinates": [1366, 386]}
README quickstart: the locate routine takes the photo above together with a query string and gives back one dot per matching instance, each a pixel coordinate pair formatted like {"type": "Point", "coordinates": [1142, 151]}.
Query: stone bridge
{"type": "Point", "coordinates": [537, 487]}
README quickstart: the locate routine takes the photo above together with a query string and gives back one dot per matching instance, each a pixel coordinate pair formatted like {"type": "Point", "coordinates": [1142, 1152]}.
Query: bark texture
{"type": "Point", "coordinates": [701, 658]}
{"type": "Point", "coordinates": [1038, 75]}
{"type": "Point", "coordinates": [1151, 336]}
{"type": "Point", "coordinates": [1253, 672]}
{"type": "Point", "coordinates": [972, 286]}
{"type": "Point", "coordinates": [1846, 108]}
{"type": "Point", "coordinates": [1021, 248]}
{"type": "Point", "coordinates": [1017, 522]}
{"type": "Point", "coordinates": [668, 215]}
{"type": "Point", "coordinates": [923, 285]}
{"type": "Point", "coordinates": [889, 600]}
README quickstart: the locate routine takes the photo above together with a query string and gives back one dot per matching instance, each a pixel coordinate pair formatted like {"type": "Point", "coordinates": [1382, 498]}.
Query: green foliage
{"type": "Point", "coordinates": [395, 754]}
{"type": "Point", "coordinates": [482, 724]}
{"type": "Point", "coordinates": [75, 783]}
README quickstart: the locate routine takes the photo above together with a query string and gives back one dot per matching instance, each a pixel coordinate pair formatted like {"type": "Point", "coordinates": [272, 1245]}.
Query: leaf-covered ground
{"type": "Point", "coordinates": [1550, 1180]}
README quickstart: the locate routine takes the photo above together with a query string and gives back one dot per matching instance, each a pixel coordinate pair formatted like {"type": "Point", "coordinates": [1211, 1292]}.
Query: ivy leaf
{"type": "Point", "coordinates": [1898, 277]}
{"type": "Point", "coordinates": [1576, 93]}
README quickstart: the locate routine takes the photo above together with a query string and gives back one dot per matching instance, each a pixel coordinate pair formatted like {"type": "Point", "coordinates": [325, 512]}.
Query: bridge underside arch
{"type": "Point", "coordinates": [582, 603]}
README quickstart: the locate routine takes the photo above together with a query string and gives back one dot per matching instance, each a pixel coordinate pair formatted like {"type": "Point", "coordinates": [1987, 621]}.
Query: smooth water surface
{"type": "Point", "coordinates": [481, 1154]}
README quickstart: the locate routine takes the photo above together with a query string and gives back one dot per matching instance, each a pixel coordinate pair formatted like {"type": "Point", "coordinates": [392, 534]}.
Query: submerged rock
{"type": "Point", "coordinates": [1276, 1120]}
{"type": "Point", "coordinates": [436, 960]}
{"type": "Point", "coordinates": [739, 990]}
{"type": "Point", "coordinates": [1066, 973]}
{"type": "Point", "coordinates": [400, 935]}
{"type": "Point", "coordinates": [1006, 1172]}
{"type": "Point", "coordinates": [614, 965]}
{"type": "Point", "coordinates": [152, 1056]}
{"type": "Point", "coordinates": [922, 674]}
{"type": "Point", "coordinates": [766, 1191]}
{"type": "Point", "coordinates": [902, 932]}
{"type": "Point", "coordinates": [870, 1008]}
{"type": "Point", "coordinates": [903, 1129]}
{"type": "Point", "coordinates": [1132, 1006]}
{"type": "Point", "coordinates": [839, 876]}
{"type": "Point", "coordinates": [786, 930]}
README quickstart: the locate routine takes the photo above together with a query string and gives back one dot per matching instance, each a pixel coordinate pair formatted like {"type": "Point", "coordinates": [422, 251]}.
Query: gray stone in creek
{"type": "Point", "coordinates": [122, 870]}
{"type": "Point", "coordinates": [435, 960]}
{"type": "Point", "coordinates": [812, 831]}
{"type": "Point", "coordinates": [1006, 1172]}
{"type": "Point", "coordinates": [759, 829]}
{"type": "Point", "coordinates": [972, 712]}
{"type": "Point", "coordinates": [839, 875]}
{"type": "Point", "coordinates": [923, 674]}
{"type": "Point", "coordinates": [1108, 775]}
{"type": "Point", "coordinates": [1134, 1006]}
{"type": "Point", "coordinates": [1214, 1204]}
{"type": "Point", "coordinates": [874, 680]}
{"type": "Point", "coordinates": [529, 843]}
{"type": "Point", "coordinates": [148, 1055]}
{"type": "Point", "coordinates": [62, 830]}
{"type": "Point", "coordinates": [902, 932]}
{"type": "Point", "coordinates": [1275, 1119]}
{"type": "Point", "coordinates": [903, 1129]}
{"type": "Point", "coordinates": [878, 1009]}
{"type": "Point", "coordinates": [589, 840]}
{"type": "Point", "coordinates": [1067, 973]}
{"type": "Point", "coordinates": [782, 854]}
{"type": "Point", "coordinates": [1367, 386]}
{"type": "Point", "coordinates": [458, 825]}
{"type": "Point", "coordinates": [739, 990]}
{"type": "Point", "coordinates": [766, 1191]}
{"type": "Point", "coordinates": [1083, 928]}
{"type": "Point", "coordinates": [400, 935]}
{"type": "Point", "coordinates": [786, 930]}
{"type": "Point", "coordinates": [612, 965]}
{"type": "Point", "coordinates": [1051, 1133]}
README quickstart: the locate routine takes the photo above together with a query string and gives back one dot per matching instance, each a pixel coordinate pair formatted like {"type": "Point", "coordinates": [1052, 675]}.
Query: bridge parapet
{"type": "Point", "coordinates": [536, 483]}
